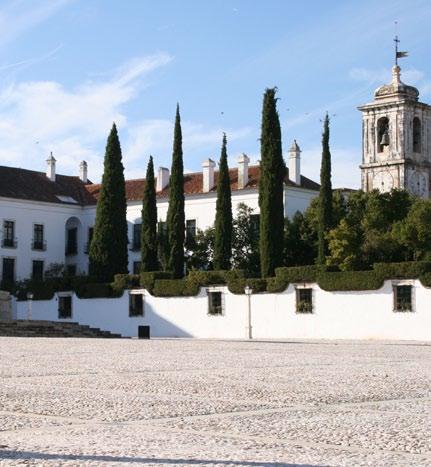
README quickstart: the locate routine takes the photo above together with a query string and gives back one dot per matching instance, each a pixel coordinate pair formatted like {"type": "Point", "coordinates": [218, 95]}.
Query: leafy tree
{"type": "Point", "coordinates": [149, 222]}
{"type": "Point", "coordinates": [325, 195]}
{"type": "Point", "coordinates": [200, 255]}
{"type": "Point", "coordinates": [176, 216]}
{"type": "Point", "coordinates": [345, 247]}
{"type": "Point", "coordinates": [245, 241]}
{"type": "Point", "coordinates": [271, 188]}
{"type": "Point", "coordinates": [299, 241]}
{"type": "Point", "coordinates": [414, 232]}
{"type": "Point", "coordinates": [223, 219]}
{"type": "Point", "coordinates": [108, 249]}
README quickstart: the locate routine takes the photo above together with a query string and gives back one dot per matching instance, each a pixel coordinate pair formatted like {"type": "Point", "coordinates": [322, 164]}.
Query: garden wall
{"type": "Point", "coordinates": [336, 315]}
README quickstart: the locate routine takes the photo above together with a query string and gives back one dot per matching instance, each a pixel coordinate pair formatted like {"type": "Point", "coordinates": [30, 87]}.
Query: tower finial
{"type": "Point", "coordinates": [398, 54]}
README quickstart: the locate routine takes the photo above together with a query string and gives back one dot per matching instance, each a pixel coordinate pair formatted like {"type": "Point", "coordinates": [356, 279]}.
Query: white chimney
{"type": "Point", "coordinates": [50, 170]}
{"type": "Point", "coordinates": [243, 161]}
{"type": "Point", "coordinates": [83, 172]}
{"type": "Point", "coordinates": [208, 175]}
{"type": "Point", "coordinates": [295, 163]}
{"type": "Point", "coordinates": [162, 179]}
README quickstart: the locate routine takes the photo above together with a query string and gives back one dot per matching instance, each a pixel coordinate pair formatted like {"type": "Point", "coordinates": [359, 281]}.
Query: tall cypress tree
{"type": "Point", "coordinates": [149, 222]}
{"type": "Point", "coordinates": [223, 220]}
{"type": "Point", "coordinates": [271, 187]}
{"type": "Point", "coordinates": [325, 195]}
{"type": "Point", "coordinates": [108, 249]}
{"type": "Point", "coordinates": [176, 216]}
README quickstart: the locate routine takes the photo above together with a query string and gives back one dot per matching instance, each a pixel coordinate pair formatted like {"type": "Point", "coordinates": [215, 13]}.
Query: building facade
{"type": "Point", "coordinates": [396, 150]}
{"type": "Point", "coordinates": [47, 218]}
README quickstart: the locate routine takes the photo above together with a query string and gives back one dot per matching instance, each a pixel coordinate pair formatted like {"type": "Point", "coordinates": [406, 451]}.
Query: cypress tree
{"type": "Point", "coordinates": [223, 220]}
{"type": "Point", "coordinates": [325, 196]}
{"type": "Point", "coordinates": [176, 216]}
{"type": "Point", "coordinates": [271, 188]}
{"type": "Point", "coordinates": [108, 249]}
{"type": "Point", "coordinates": [149, 222]}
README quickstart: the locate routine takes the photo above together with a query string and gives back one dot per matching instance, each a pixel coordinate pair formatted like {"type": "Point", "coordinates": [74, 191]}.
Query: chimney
{"type": "Point", "coordinates": [243, 161]}
{"type": "Point", "coordinates": [162, 179]}
{"type": "Point", "coordinates": [83, 172]}
{"type": "Point", "coordinates": [208, 175]}
{"type": "Point", "coordinates": [50, 170]}
{"type": "Point", "coordinates": [295, 163]}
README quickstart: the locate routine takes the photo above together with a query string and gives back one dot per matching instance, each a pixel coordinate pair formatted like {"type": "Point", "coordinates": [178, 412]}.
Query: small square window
{"type": "Point", "coordinates": [304, 300]}
{"type": "Point", "coordinates": [215, 303]}
{"type": "Point", "coordinates": [65, 307]}
{"type": "Point", "coordinates": [403, 298]}
{"type": "Point", "coordinates": [136, 305]}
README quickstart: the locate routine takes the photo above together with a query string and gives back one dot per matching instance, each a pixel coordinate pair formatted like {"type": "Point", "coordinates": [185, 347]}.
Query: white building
{"type": "Point", "coordinates": [48, 218]}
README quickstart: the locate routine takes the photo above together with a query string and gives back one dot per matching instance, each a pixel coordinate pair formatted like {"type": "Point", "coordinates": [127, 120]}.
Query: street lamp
{"type": "Point", "coordinates": [248, 291]}
{"type": "Point", "coordinates": [30, 302]}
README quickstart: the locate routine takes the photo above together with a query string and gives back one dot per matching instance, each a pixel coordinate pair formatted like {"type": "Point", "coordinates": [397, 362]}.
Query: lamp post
{"type": "Point", "coordinates": [248, 291]}
{"type": "Point", "coordinates": [30, 303]}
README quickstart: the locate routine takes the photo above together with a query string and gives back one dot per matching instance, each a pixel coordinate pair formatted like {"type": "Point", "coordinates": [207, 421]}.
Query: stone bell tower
{"type": "Point", "coordinates": [396, 139]}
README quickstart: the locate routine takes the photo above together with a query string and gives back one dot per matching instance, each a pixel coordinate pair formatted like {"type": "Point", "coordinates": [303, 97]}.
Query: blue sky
{"type": "Point", "coordinates": [69, 68]}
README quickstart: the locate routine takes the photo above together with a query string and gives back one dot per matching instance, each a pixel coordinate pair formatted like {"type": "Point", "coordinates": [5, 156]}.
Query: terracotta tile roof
{"type": "Point", "coordinates": [27, 184]}
{"type": "Point", "coordinates": [35, 186]}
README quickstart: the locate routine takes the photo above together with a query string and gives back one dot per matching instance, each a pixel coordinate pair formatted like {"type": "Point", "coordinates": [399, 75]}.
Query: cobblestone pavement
{"type": "Point", "coordinates": [214, 403]}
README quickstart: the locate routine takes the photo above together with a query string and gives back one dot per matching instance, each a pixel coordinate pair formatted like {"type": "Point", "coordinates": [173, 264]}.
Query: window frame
{"type": "Point", "coordinates": [395, 292]}
{"type": "Point", "coordinates": [136, 236]}
{"type": "Point", "coordinates": [210, 306]}
{"type": "Point", "coordinates": [38, 244]}
{"type": "Point", "coordinates": [61, 296]}
{"type": "Point", "coordinates": [299, 289]}
{"type": "Point", "coordinates": [132, 296]}
{"type": "Point", "coordinates": [32, 269]}
{"type": "Point", "coordinates": [14, 259]}
{"type": "Point", "coordinates": [9, 241]}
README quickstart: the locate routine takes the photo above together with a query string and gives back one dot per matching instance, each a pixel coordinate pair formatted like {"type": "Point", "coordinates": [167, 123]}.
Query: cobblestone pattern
{"type": "Point", "coordinates": [214, 403]}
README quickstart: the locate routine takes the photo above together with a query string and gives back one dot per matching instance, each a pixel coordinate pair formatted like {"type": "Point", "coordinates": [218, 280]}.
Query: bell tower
{"type": "Point", "coordinates": [396, 138]}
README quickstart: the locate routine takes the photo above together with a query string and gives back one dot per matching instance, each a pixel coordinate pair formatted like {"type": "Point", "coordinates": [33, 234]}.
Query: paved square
{"type": "Point", "coordinates": [214, 403]}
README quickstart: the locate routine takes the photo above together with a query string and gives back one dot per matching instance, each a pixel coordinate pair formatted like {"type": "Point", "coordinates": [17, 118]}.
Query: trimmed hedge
{"type": "Point", "coordinates": [175, 288]}
{"type": "Point", "coordinates": [237, 286]}
{"type": "Point", "coordinates": [162, 284]}
{"type": "Point", "coordinates": [349, 281]}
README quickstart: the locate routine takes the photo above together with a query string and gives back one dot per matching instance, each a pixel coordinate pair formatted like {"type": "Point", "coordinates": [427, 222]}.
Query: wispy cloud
{"type": "Point", "coordinates": [17, 17]}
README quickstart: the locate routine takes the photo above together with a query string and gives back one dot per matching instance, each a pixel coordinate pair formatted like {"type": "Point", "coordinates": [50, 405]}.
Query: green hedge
{"type": "Point", "coordinates": [147, 279]}
{"type": "Point", "coordinates": [349, 280]}
{"type": "Point", "coordinates": [237, 286]}
{"type": "Point", "coordinates": [406, 270]}
{"type": "Point", "coordinates": [175, 288]}
{"type": "Point", "coordinates": [98, 290]}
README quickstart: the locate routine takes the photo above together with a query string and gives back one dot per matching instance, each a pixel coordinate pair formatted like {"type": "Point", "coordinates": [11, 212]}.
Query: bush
{"type": "Point", "coordinates": [426, 279]}
{"type": "Point", "coordinates": [349, 281]}
{"type": "Point", "coordinates": [207, 277]}
{"type": "Point", "coordinates": [125, 281]}
{"type": "Point", "coordinates": [237, 286]}
{"type": "Point", "coordinates": [97, 290]}
{"type": "Point", "coordinates": [298, 273]}
{"type": "Point", "coordinates": [147, 279]}
{"type": "Point", "coordinates": [174, 288]}
{"type": "Point", "coordinates": [406, 270]}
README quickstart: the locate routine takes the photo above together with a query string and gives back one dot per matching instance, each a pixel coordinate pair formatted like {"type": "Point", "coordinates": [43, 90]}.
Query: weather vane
{"type": "Point", "coordinates": [398, 54]}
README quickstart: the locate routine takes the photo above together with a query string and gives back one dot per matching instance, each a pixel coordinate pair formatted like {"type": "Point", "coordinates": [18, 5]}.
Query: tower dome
{"type": "Point", "coordinates": [396, 89]}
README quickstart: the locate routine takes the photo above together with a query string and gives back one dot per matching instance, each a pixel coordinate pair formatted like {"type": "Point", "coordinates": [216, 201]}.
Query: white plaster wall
{"type": "Point", "coordinates": [336, 315]}
{"type": "Point", "coordinates": [27, 213]}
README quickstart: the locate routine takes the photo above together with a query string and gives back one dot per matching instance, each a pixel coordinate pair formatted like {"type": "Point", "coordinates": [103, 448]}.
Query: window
{"type": "Point", "coordinates": [304, 300]}
{"type": "Point", "coordinates": [9, 240]}
{"type": "Point", "coordinates": [71, 269]}
{"type": "Point", "coordinates": [37, 270]}
{"type": "Point", "coordinates": [136, 304]}
{"type": "Point", "coordinates": [72, 241]}
{"type": "Point", "coordinates": [215, 303]}
{"type": "Point", "coordinates": [190, 233]}
{"type": "Point", "coordinates": [90, 237]}
{"type": "Point", "coordinates": [382, 133]}
{"type": "Point", "coordinates": [255, 225]}
{"type": "Point", "coordinates": [403, 298]}
{"type": "Point", "coordinates": [38, 240]}
{"type": "Point", "coordinates": [136, 244]}
{"type": "Point", "coordinates": [416, 135]}
{"type": "Point", "coordinates": [8, 275]}
{"type": "Point", "coordinates": [136, 267]}
{"type": "Point", "coordinates": [65, 306]}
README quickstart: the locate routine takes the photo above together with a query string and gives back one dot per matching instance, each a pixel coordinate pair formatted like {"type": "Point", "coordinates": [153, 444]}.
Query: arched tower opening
{"type": "Point", "coordinates": [417, 133]}
{"type": "Point", "coordinates": [382, 133]}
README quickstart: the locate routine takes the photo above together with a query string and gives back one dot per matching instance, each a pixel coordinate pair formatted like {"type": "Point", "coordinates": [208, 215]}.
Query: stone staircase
{"type": "Point", "coordinates": [34, 328]}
